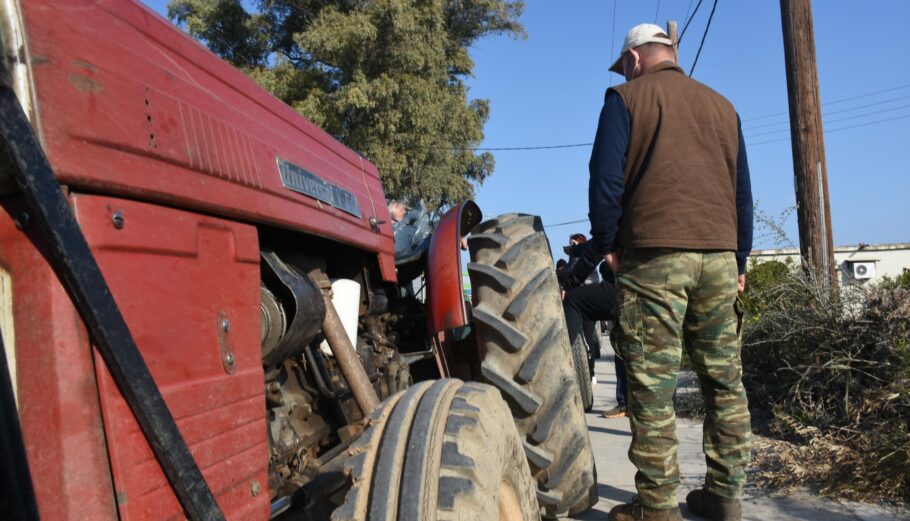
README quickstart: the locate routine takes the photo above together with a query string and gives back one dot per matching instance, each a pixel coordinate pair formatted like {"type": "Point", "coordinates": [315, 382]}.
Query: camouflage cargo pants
{"type": "Point", "coordinates": [666, 296]}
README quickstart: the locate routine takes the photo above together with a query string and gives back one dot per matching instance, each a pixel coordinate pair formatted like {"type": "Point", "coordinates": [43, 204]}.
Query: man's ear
{"type": "Point", "coordinates": [635, 57]}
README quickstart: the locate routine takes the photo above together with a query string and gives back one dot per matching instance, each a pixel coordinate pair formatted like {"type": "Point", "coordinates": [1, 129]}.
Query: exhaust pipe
{"type": "Point", "coordinates": [340, 344]}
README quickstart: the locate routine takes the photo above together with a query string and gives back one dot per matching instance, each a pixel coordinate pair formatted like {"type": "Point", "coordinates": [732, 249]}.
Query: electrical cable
{"type": "Point", "coordinates": [827, 113]}
{"type": "Point", "coordinates": [832, 112]}
{"type": "Point", "coordinates": [613, 39]}
{"type": "Point", "coordinates": [565, 223]}
{"type": "Point", "coordinates": [828, 131]}
{"type": "Point", "coordinates": [577, 145]}
{"type": "Point", "coordinates": [692, 17]}
{"type": "Point", "coordinates": [835, 102]}
{"type": "Point", "coordinates": [686, 17]}
{"type": "Point", "coordinates": [703, 37]}
{"type": "Point", "coordinates": [657, 11]}
{"type": "Point", "coordinates": [492, 149]}
{"type": "Point", "coordinates": [767, 142]}
{"type": "Point", "coordinates": [891, 109]}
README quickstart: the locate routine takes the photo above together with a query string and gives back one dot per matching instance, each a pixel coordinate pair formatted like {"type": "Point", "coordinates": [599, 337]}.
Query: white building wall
{"type": "Point", "coordinates": [889, 260]}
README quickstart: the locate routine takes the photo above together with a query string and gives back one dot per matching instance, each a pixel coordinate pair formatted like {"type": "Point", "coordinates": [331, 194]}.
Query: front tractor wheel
{"type": "Point", "coordinates": [445, 450]}
{"type": "Point", "coordinates": [525, 353]}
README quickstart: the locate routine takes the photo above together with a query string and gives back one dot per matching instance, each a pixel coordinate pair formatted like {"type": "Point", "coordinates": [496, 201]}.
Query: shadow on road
{"type": "Point", "coordinates": [608, 493]}
{"type": "Point", "coordinates": [594, 428]}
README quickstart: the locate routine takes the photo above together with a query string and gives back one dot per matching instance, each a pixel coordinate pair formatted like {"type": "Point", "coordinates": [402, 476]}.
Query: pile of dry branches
{"type": "Point", "coordinates": [829, 371]}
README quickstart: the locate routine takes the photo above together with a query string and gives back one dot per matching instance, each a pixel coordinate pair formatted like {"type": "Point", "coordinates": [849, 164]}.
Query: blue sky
{"type": "Point", "coordinates": [548, 89]}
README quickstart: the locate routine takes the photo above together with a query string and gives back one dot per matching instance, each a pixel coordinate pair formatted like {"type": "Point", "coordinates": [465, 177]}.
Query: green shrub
{"type": "Point", "coordinates": [762, 278]}
{"type": "Point", "coordinates": [901, 281]}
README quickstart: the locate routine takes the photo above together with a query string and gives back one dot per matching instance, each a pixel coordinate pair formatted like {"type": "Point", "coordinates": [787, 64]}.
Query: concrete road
{"type": "Point", "coordinates": [610, 439]}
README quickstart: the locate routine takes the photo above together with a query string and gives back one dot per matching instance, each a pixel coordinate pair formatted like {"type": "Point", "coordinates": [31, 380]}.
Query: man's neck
{"type": "Point", "coordinates": [656, 65]}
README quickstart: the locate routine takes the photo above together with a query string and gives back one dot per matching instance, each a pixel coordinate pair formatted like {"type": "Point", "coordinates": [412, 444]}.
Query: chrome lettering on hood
{"type": "Point", "coordinates": [302, 181]}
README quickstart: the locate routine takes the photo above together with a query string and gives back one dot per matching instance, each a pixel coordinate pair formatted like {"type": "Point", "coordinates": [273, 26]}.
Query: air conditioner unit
{"type": "Point", "coordinates": [863, 270]}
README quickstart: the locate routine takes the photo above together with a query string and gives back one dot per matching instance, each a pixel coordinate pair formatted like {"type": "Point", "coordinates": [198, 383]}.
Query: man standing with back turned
{"type": "Point", "coordinates": [670, 205]}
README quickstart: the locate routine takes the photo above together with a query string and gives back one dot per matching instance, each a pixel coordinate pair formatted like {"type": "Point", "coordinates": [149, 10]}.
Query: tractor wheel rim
{"type": "Point", "coordinates": [509, 505]}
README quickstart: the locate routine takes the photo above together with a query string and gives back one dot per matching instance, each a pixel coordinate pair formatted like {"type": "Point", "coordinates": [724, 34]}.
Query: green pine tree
{"type": "Point", "coordinates": [385, 77]}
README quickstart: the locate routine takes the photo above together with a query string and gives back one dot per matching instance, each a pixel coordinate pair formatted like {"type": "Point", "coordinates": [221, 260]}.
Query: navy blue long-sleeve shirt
{"type": "Point", "coordinates": [606, 188]}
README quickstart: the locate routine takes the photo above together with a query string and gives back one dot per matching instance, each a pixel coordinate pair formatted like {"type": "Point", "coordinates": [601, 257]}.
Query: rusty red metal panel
{"type": "Point", "coordinates": [445, 289]}
{"type": "Point", "coordinates": [55, 383]}
{"type": "Point", "coordinates": [175, 276]}
{"type": "Point", "coordinates": [129, 105]}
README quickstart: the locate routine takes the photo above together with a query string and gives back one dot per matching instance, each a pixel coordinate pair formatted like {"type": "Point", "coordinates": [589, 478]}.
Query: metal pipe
{"type": "Point", "coordinates": [280, 506]}
{"type": "Point", "coordinates": [348, 361]}
{"type": "Point", "coordinates": [317, 371]}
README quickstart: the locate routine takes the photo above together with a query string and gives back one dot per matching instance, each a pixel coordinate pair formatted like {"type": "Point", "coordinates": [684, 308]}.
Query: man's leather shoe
{"type": "Point", "coordinates": [707, 504]}
{"type": "Point", "coordinates": [616, 412]}
{"type": "Point", "coordinates": [635, 511]}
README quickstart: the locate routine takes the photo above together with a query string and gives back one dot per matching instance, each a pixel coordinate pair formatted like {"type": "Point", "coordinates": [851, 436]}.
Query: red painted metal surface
{"type": "Point", "coordinates": [129, 105]}
{"type": "Point", "coordinates": [445, 289]}
{"type": "Point", "coordinates": [173, 274]}
{"type": "Point", "coordinates": [57, 396]}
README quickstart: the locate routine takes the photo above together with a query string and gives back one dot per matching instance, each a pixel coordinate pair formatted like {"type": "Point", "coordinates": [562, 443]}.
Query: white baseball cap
{"type": "Point", "coordinates": [640, 35]}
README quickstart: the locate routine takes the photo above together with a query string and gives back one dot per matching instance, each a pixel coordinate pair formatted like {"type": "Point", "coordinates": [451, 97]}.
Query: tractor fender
{"type": "Point", "coordinates": [445, 288]}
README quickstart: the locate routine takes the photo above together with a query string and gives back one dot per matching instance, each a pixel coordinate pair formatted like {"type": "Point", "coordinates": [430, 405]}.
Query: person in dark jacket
{"type": "Point", "coordinates": [588, 325]}
{"type": "Point", "coordinates": [589, 303]}
{"type": "Point", "coordinates": [670, 205]}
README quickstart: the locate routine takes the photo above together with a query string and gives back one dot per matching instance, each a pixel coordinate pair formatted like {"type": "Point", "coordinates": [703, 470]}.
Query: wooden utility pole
{"type": "Point", "coordinates": [671, 31]}
{"type": "Point", "coordinates": [811, 175]}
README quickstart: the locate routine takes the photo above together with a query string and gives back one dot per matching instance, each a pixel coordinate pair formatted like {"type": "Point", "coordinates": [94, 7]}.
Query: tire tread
{"type": "Point", "coordinates": [538, 378]}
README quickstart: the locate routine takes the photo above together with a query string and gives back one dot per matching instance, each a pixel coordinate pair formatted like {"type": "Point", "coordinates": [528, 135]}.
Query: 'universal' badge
{"type": "Point", "coordinates": [300, 180]}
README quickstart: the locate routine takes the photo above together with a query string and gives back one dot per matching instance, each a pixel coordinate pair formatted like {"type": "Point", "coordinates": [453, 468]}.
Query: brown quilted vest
{"type": "Point", "coordinates": [680, 172]}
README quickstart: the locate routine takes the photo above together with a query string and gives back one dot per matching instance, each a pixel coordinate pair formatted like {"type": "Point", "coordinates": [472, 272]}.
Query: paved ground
{"type": "Point", "coordinates": [610, 439]}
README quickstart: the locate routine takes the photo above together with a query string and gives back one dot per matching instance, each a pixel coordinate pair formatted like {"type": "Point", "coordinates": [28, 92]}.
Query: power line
{"type": "Point", "coordinates": [827, 113]}
{"type": "Point", "coordinates": [765, 143]}
{"type": "Point", "coordinates": [828, 131]}
{"type": "Point", "coordinates": [499, 149]}
{"type": "Point", "coordinates": [576, 145]}
{"type": "Point", "coordinates": [703, 37]}
{"type": "Point", "coordinates": [841, 111]}
{"type": "Point", "coordinates": [543, 147]}
{"type": "Point", "coordinates": [657, 11]}
{"type": "Point", "coordinates": [838, 119]}
{"type": "Point", "coordinates": [565, 223]}
{"type": "Point", "coordinates": [832, 112]}
{"type": "Point", "coordinates": [688, 10]}
{"type": "Point", "coordinates": [835, 102]}
{"type": "Point", "coordinates": [683, 33]}
{"type": "Point", "coordinates": [868, 114]}
{"type": "Point", "coordinates": [613, 38]}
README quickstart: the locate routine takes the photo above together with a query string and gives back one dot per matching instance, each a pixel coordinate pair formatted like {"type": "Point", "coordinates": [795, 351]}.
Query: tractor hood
{"type": "Point", "coordinates": [127, 104]}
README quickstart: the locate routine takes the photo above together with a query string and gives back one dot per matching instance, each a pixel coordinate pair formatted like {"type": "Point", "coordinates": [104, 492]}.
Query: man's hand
{"type": "Point", "coordinates": [612, 260]}
{"type": "Point", "coordinates": [741, 283]}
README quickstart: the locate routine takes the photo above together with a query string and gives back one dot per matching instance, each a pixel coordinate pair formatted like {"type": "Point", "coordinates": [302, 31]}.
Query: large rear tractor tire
{"type": "Point", "coordinates": [444, 450]}
{"type": "Point", "coordinates": [582, 373]}
{"type": "Point", "coordinates": [525, 353]}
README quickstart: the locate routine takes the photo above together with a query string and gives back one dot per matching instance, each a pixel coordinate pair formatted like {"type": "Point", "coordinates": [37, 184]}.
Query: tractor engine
{"type": "Point", "coordinates": [310, 409]}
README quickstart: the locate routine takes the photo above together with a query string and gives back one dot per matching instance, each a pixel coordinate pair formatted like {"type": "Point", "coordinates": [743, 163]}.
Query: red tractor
{"type": "Point", "coordinates": [203, 313]}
